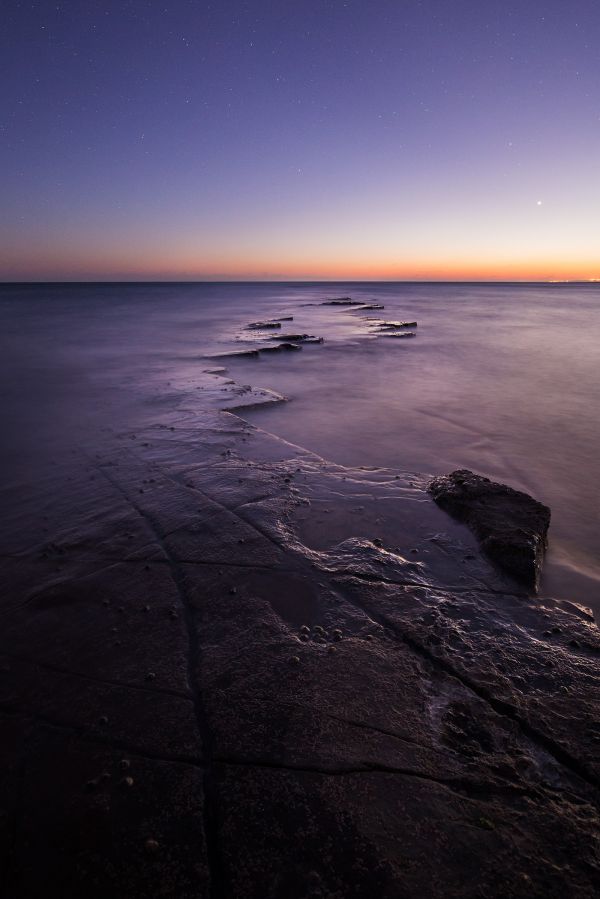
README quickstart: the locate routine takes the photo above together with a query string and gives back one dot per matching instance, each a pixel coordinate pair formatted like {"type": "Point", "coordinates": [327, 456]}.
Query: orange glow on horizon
{"type": "Point", "coordinates": [174, 266]}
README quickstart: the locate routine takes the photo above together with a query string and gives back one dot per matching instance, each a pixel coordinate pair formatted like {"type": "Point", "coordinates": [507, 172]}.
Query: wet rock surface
{"type": "Point", "coordinates": [230, 668]}
{"type": "Point", "coordinates": [511, 526]}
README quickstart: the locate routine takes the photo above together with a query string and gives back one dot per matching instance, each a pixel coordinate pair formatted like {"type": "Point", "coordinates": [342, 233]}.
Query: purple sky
{"type": "Point", "coordinates": [300, 139]}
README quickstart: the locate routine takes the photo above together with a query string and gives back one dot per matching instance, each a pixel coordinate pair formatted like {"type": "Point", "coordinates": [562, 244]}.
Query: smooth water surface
{"type": "Point", "coordinates": [502, 379]}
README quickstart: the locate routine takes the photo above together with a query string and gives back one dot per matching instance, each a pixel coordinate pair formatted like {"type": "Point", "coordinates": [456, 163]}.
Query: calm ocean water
{"type": "Point", "coordinates": [502, 378]}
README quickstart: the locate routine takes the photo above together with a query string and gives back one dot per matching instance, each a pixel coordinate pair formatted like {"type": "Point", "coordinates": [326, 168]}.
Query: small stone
{"type": "Point", "coordinates": [124, 764]}
{"type": "Point", "coordinates": [146, 608]}
{"type": "Point", "coordinates": [173, 614]}
{"type": "Point", "coordinates": [150, 676]}
{"type": "Point", "coordinates": [337, 634]}
{"type": "Point", "coordinates": [378, 542]}
{"type": "Point", "coordinates": [105, 775]}
{"type": "Point", "coordinates": [305, 629]}
{"type": "Point", "coordinates": [91, 785]}
{"type": "Point", "coordinates": [126, 782]}
{"type": "Point", "coordinates": [330, 648]}
{"type": "Point", "coordinates": [103, 721]}
{"type": "Point", "coordinates": [368, 636]}
{"type": "Point", "coordinates": [574, 644]}
{"type": "Point", "coordinates": [151, 846]}
{"type": "Point", "coordinates": [303, 637]}
{"type": "Point", "coordinates": [105, 602]}
{"type": "Point", "coordinates": [318, 629]}
{"type": "Point", "coordinates": [233, 590]}
{"type": "Point", "coordinates": [295, 660]}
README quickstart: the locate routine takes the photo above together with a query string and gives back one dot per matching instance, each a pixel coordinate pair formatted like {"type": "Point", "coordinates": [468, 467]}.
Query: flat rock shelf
{"type": "Point", "coordinates": [232, 668]}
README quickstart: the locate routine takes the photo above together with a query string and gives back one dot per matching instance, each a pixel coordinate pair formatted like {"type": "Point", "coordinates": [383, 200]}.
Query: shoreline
{"type": "Point", "coordinates": [303, 704]}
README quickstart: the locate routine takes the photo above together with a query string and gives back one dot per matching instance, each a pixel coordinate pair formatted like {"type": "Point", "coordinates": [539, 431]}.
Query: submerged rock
{"type": "Point", "coordinates": [298, 338]}
{"type": "Point", "coordinates": [280, 347]}
{"type": "Point", "coordinates": [234, 354]}
{"type": "Point", "coordinates": [342, 301]}
{"type": "Point", "coordinates": [262, 326]}
{"type": "Point", "coordinates": [510, 525]}
{"type": "Point", "coordinates": [393, 326]}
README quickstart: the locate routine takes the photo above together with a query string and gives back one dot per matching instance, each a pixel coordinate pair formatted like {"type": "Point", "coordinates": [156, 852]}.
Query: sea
{"type": "Point", "coordinates": [500, 378]}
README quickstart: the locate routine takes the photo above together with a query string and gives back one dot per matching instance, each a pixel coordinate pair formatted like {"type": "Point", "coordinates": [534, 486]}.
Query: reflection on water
{"type": "Point", "coordinates": [501, 379]}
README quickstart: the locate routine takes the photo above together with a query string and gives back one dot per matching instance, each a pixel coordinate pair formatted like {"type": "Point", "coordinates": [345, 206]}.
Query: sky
{"type": "Point", "coordinates": [294, 139]}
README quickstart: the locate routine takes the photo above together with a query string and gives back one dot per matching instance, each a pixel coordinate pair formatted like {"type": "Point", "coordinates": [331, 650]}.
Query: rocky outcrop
{"type": "Point", "coordinates": [280, 347]}
{"type": "Point", "coordinates": [298, 338]}
{"type": "Point", "coordinates": [393, 326]}
{"type": "Point", "coordinates": [510, 525]}
{"type": "Point", "coordinates": [342, 301]}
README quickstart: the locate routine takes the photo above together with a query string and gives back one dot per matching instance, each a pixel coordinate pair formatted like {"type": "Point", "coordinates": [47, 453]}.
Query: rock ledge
{"type": "Point", "coordinates": [510, 525]}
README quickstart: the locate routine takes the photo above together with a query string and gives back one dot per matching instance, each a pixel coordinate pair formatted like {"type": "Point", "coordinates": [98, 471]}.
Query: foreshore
{"type": "Point", "coordinates": [232, 668]}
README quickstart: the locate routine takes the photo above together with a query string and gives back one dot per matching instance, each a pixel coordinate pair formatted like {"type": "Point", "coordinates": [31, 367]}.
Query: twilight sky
{"type": "Point", "coordinates": [300, 139]}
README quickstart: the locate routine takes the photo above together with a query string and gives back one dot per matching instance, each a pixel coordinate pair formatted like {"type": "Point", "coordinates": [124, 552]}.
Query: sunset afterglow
{"type": "Point", "coordinates": [429, 141]}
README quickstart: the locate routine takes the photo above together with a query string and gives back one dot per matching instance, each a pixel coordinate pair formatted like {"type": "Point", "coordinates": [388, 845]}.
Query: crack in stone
{"type": "Point", "coordinates": [48, 666]}
{"type": "Point", "coordinates": [82, 731]}
{"type": "Point", "coordinates": [473, 789]}
{"type": "Point", "coordinates": [560, 755]}
{"type": "Point", "coordinates": [214, 862]}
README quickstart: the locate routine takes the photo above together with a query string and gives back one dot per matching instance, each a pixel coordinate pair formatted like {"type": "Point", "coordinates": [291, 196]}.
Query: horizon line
{"type": "Point", "coordinates": [4, 283]}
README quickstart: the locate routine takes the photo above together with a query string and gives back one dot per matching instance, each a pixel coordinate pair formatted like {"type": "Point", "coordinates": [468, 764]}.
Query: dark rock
{"type": "Point", "coordinates": [511, 526]}
{"type": "Point", "coordinates": [237, 354]}
{"type": "Point", "coordinates": [281, 347]}
{"type": "Point", "coordinates": [262, 326]}
{"type": "Point", "coordinates": [394, 326]}
{"type": "Point", "coordinates": [342, 301]}
{"type": "Point", "coordinates": [293, 337]}
{"type": "Point", "coordinates": [297, 338]}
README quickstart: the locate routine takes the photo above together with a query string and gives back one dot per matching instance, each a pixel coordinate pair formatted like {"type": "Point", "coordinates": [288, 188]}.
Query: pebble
{"type": "Point", "coordinates": [124, 764]}
{"type": "Point", "coordinates": [150, 676]}
{"type": "Point", "coordinates": [103, 721]}
{"type": "Point", "coordinates": [233, 590]}
{"type": "Point", "coordinates": [127, 782]}
{"type": "Point", "coordinates": [295, 660]}
{"type": "Point", "coordinates": [305, 629]}
{"type": "Point", "coordinates": [151, 846]}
